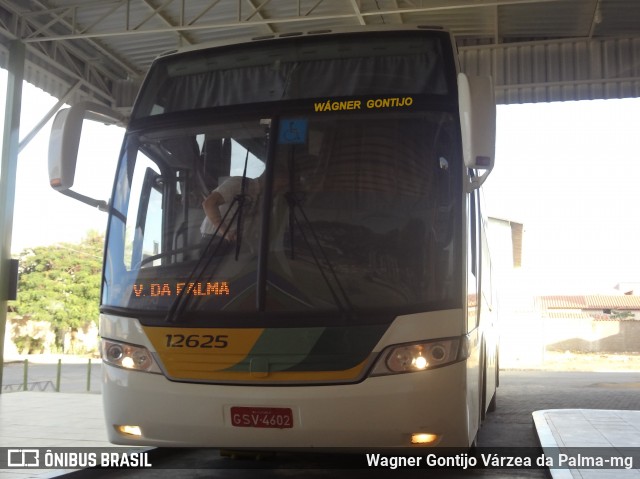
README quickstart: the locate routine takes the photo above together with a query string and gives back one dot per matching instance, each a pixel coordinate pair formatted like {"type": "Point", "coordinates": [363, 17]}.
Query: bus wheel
{"type": "Point", "coordinates": [492, 403]}
{"type": "Point", "coordinates": [483, 386]}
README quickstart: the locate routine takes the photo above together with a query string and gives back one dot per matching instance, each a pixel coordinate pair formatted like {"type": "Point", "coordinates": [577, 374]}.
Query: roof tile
{"type": "Point", "coordinates": [590, 302]}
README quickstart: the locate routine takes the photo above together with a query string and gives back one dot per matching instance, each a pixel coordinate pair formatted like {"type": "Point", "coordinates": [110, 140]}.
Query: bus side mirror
{"type": "Point", "coordinates": [12, 289]}
{"type": "Point", "coordinates": [64, 143]}
{"type": "Point", "coordinates": [477, 107]}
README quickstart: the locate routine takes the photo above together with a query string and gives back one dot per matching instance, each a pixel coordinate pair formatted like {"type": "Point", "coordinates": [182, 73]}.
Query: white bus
{"type": "Point", "coordinates": [342, 296]}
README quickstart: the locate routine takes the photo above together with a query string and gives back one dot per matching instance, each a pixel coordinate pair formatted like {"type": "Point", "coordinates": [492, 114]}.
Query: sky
{"type": "Point", "coordinates": [43, 216]}
{"type": "Point", "coordinates": [569, 171]}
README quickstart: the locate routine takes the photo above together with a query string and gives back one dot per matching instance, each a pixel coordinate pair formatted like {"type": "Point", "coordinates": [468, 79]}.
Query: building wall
{"type": "Point", "coordinates": [525, 337]}
{"type": "Point", "coordinates": [27, 336]}
{"type": "Point", "coordinates": [590, 335]}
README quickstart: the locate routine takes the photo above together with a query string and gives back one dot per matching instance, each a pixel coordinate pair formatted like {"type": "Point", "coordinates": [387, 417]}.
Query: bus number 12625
{"type": "Point", "coordinates": [206, 341]}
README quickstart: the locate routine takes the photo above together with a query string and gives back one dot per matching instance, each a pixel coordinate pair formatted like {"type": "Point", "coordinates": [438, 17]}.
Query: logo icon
{"type": "Point", "coordinates": [23, 458]}
{"type": "Point", "coordinates": [293, 131]}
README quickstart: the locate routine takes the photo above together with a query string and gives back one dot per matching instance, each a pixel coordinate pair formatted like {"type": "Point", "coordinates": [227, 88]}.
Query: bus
{"type": "Point", "coordinates": [296, 255]}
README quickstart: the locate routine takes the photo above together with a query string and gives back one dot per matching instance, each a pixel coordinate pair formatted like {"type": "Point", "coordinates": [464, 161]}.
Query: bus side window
{"type": "Point", "coordinates": [144, 218]}
{"type": "Point", "coordinates": [473, 259]}
{"type": "Point", "coordinates": [486, 279]}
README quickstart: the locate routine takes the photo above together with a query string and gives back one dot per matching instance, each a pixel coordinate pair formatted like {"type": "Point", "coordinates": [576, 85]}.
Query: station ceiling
{"type": "Point", "coordinates": [537, 50]}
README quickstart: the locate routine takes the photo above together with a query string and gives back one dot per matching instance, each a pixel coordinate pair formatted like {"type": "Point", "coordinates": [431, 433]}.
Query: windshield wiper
{"type": "Point", "coordinates": [242, 197]}
{"type": "Point", "coordinates": [180, 303]}
{"type": "Point", "coordinates": [198, 271]}
{"type": "Point", "coordinates": [294, 201]}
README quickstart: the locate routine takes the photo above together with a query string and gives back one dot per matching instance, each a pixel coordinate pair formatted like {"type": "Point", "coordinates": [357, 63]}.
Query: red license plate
{"type": "Point", "coordinates": [266, 417]}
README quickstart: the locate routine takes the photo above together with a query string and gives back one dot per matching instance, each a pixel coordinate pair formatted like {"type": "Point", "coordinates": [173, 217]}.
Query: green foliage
{"type": "Point", "coordinates": [622, 315]}
{"type": "Point", "coordinates": [61, 283]}
{"type": "Point", "coordinates": [28, 345]}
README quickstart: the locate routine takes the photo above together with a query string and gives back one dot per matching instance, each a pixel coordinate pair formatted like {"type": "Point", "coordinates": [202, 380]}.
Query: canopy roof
{"type": "Point", "coordinates": [102, 49]}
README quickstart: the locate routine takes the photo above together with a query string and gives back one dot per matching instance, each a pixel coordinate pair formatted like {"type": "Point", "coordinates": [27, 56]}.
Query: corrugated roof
{"type": "Point", "coordinates": [622, 302]}
{"type": "Point", "coordinates": [561, 302]}
{"type": "Point", "coordinates": [108, 45]}
{"type": "Point", "coordinates": [558, 314]}
{"type": "Point", "coordinates": [567, 315]}
{"type": "Point", "coordinates": [559, 70]}
{"type": "Point", "coordinates": [589, 302]}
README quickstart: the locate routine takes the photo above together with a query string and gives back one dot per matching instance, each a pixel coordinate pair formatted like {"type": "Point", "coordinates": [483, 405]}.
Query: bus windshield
{"type": "Point", "coordinates": [339, 205]}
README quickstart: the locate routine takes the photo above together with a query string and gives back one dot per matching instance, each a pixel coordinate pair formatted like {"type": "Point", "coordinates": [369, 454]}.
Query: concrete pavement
{"type": "Point", "coordinates": [44, 419]}
{"type": "Point", "coordinates": [594, 433]}
{"type": "Point", "coordinates": [47, 419]}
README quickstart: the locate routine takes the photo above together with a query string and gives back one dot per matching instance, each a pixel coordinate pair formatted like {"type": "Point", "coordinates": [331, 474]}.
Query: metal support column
{"type": "Point", "coordinates": [8, 170]}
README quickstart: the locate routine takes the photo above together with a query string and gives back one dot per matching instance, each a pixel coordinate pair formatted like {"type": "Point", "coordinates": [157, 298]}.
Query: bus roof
{"type": "Point", "coordinates": [302, 33]}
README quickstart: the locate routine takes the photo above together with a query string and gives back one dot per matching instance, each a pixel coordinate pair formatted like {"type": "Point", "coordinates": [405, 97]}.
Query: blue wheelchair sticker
{"type": "Point", "coordinates": [293, 131]}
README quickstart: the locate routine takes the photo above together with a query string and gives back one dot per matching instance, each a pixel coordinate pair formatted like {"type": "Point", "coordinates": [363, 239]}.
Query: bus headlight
{"type": "Point", "coordinates": [413, 357]}
{"type": "Point", "coordinates": [128, 356]}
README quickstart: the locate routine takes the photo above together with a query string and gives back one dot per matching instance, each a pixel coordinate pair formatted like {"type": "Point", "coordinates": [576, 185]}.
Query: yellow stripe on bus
{"type": "Point", "coordinates": [193, 349]}
{"type": "Point", "coordinates": [272, 377]}
{"type": "Point", "coordinates": [205, 354]}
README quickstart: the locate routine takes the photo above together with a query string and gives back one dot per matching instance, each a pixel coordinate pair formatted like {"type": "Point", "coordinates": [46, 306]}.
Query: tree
{"type": "Point", "coordinates": [622, 315]}
{"type": "Point", "coordinates": [61, 283]}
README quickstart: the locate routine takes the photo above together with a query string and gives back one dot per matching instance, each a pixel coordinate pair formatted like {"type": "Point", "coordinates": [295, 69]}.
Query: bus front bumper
{"type": "Point", "coordinates": [379, 412]}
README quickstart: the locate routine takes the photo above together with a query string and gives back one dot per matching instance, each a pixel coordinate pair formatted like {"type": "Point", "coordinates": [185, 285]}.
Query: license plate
{"type": "Point", "coordinates": [263, 417]}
